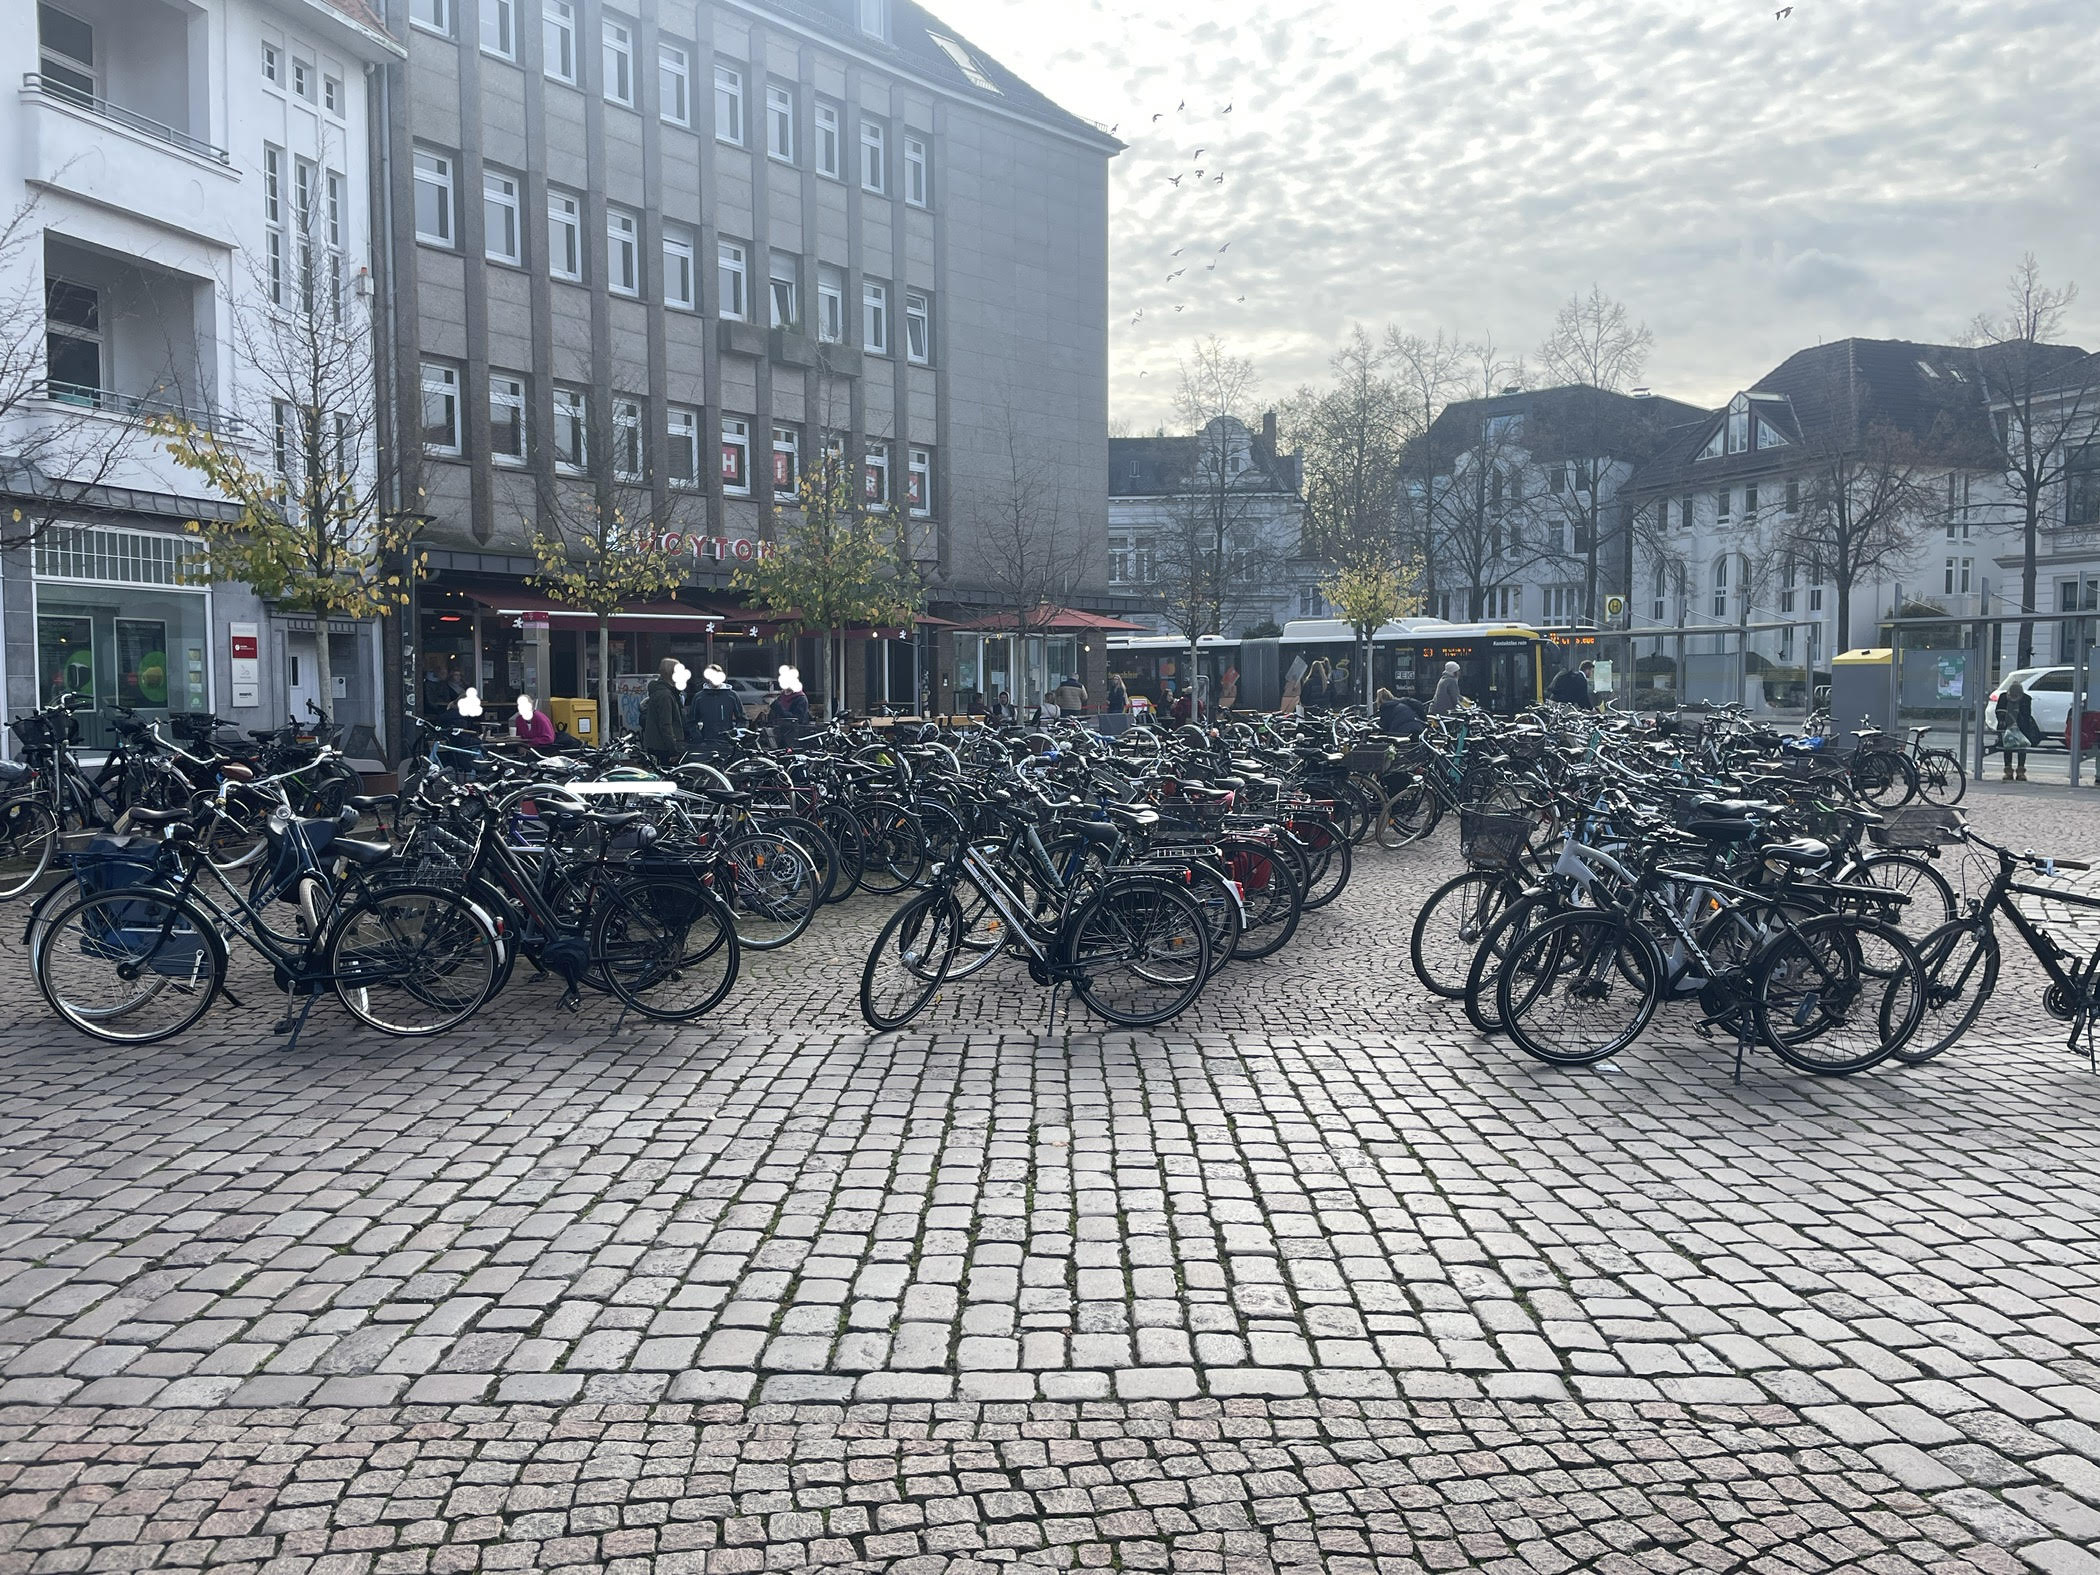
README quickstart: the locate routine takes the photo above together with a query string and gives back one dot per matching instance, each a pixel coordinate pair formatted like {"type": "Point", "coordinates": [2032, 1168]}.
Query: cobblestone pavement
{"type": "Point", "coordinates": [1313, 1279]}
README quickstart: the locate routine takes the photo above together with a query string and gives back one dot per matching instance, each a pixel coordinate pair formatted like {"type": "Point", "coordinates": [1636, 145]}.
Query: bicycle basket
{"type": "Point", "coordinates": [1525, 746]}
{"type": "Point", "coordinates": [131, 931]}
{"type": "Point", "coordinates": [1365, 760]}
{"type": "Point", "coordinates": [36, 732]}
{"type": "Point", "coordinates": [1917, 826]}
{"type": "Point", "coordinates": [1490, 841]}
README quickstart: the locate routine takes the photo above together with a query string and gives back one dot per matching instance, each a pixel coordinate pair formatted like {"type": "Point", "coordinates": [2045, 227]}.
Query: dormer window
{"type": "Point", "coordinates": [1769, 436]}
{"type": "Point", "coordinates": [875, 18]}
{"type": "Point", "coordinates": [965, 62]}
{"type": "Point", "coordinates": [1929, 370]}
{"type": "Point", "coordinates": [1739, 425]}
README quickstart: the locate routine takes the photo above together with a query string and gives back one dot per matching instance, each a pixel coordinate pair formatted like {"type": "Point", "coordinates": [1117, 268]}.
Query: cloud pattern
{"type": "Point", "coordinates": [1748, 185]}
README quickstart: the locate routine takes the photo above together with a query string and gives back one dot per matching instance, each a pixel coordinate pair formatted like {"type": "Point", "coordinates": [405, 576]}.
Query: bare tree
{"type": "Point", "coordinates": [1483, 525]}
{"type": "Point", "coordinates": [58, 445]}
{"type": "Point", "coordinates": [1578, 439]}
{"type": "Point", "coordinates": [2051, 405]}
{"type": "Point", "coordinates": [1212, 556]}
{"type": "Point", "coordinates": [1351, 436]}
{"type": "Point", "coordinates": [1033, 546]}
{"type": "Point", "coordinates": [1428, 373]}
{"type": "Point", "coordinates": [1866, 495]}
{"type": "Point", "coordinates": [1595, 343]}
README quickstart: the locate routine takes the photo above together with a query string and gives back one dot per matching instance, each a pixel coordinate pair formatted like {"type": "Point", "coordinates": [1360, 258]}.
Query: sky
{"type": "Point", "coordinates": [1746, 183]}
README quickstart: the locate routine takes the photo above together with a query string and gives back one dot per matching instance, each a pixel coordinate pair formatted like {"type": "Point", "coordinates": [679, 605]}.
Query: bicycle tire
{"type": "Point", "coordinates": [1144, 928]}
{"type": "Point", "coordinates": [1884, 778]}
{"type": "Point", "coordinates": [1942, 779]}
{"type": "Point", "coordinates": [1595, 952]}
{"type": "Point", "coordinates": [113, 933]}
{"type": "Point", "coordinates": [850, 837]}
{"type": "Point", "coordinates": [773, 889]}
{"type": "Point", "coordinates": [1812, 1006]}
{"type": "Point", "coordinates": [1274, 900]}
{"type": "Point", "coordinates": [658, 939]}
{"type": "Point", "coordinates": [28, 843]}
{"type": "Point", "coordinates": [1932, 900]}
{"type": "Point", "coordinates": [1470, 903]}
{"type": "Point", "coordinates": [895, 855]}
{"type": "Point", "coordinates": [1484, 973]}
{"type": "Point", "coordinates": [1328, 857]}
{"type": "Point", "coordinates": [423, 959]}
{"type": "Point", "coordinates": [923, 958]}
{"type": "Point", "coordinates": [1408, 816]}
{"type": "Point", "coordinates": [1955, 992]}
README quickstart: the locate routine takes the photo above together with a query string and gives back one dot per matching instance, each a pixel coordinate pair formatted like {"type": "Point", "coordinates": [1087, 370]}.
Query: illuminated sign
{"type": "Point", "coordinates": [712, 549]}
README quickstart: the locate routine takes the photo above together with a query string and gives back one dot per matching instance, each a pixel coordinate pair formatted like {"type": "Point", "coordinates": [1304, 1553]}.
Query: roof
{"type": "Point", "coordinates": [1055, 620]}
{"type": "Point", "coordinates": [1573, 421]}
{"type": "Point", "coordinates": [911, 46]}
{"type": "Point", "coordinates": [1154, 467]}
{"type": "Point", "coordinates": [353, 24]}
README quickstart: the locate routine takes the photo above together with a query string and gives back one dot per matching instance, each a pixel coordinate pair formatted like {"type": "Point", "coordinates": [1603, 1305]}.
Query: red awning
{"type": "Point", "coordinates": [1058, 620]}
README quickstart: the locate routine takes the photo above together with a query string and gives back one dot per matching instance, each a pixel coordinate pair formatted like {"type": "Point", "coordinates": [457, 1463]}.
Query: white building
{"type": "Point", "coordinates": [151, 158]}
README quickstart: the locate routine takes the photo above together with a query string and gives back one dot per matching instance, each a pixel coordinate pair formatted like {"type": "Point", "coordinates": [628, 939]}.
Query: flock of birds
{"type": "Point", "coordinates": [1199, 171]}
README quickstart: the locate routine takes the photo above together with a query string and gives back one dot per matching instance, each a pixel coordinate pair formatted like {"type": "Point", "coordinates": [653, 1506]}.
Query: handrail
{"type": "Point", "coordinates": [131, 120]}
{"type": "Point", "coordinates": [137, 406]}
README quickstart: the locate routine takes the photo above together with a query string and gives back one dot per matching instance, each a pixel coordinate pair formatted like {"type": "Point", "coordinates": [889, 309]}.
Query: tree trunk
{"type": "Point", "coordinates": [1195, 683]}
{"type": "Point", "coordinates": [2029, 576]}
{"type": "Point", "coordinates": [1844, 616]}
{"type": "Point", "coordinates": [827, 677]}
{"type": "Point", "coordinates": [605, 684]}
{"type": "Point", "coordinates": [324, 670]}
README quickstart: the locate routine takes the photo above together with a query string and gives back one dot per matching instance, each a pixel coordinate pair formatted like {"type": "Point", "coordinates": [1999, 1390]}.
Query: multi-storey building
{"type": "Point", "coordinates": [151, 161]}
{"type": "Point", "coordinates": [1173, 500]}
{"type": "Point", "coordinates": [660, 256]}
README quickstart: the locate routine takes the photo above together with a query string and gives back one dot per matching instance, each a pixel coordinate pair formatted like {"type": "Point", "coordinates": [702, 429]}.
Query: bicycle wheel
{"type": "Point", "coordinates": [1222, 912]}
{"type": "Point", "coordinates": [1941, 779]}
{"type": "Point", "coordinates": [131, 967]}
{"type": "Point", "coordinates": [28, 840]}
{"type": "Point", "coordinates": [1408, 815]}
{"type": "Point", "coordinates": [1838, 994]}
{"type": "Point", "coordinates": [1449, 929]}
{"type": "Point", "coordinates": [668, 947]}
{"type": "Point", "coordinates": [910, 959]}
{"type": "Point", "coordinates": [1137, 952]}
{"type": "Point", "coordinates": [1484, 973]}
{"type": "Point", "coordinates": [772, 889]}
{"type": "Point", "coordinates": [1579, 988]}
{"type": "Point", "coordinates": [1884, 778]}
{"type": "Point", "coordinates": [1273, 899]}
{"type": "Point", "coordinates": [1930, 900]}
{"type": "Point", "coordinates": [895, 851]}
{"type": "Point", "coordinates": [1961, 971]}
{"type": "Point", "coordinates": [412, 960]}
{"type": "Point", "coordinates": [815, 842]}
{"type": "Point", "coordinates": [1328, 855]}
{"type": "Point", "coordinates": [850, 837]}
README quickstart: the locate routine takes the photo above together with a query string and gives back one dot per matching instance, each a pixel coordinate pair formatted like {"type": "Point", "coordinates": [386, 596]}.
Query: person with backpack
{"type": "Point", "coordinates": [663, 713]}
{"type": "Point", "coordinates": [788, 715]}
{"type": "Point", "coordinates": [1447, 697]}
{"type": "Point", "coordinates": [712, 712]}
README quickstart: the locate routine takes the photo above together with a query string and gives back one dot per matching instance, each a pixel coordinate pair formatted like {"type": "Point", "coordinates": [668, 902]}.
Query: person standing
{"type": "Point", "coordinates": [1118, 696]}
{"type": "Point", "coordinates": [1447, 699]}
{"type": "Point", "coordinates": [789, 713]}
{"type": "Point", "coordinates": [1229, 688]}
{"type": "Point", "coordinates": [1312, 694]}
{"type": "Point", "coordinates": [1571, 686]}
{"type": "Point", "coordinates": [2016, 729]}
{"type": "Point", "coordinates": [663, 712]}
{"type": "Point", "coordinates": [713, 713]}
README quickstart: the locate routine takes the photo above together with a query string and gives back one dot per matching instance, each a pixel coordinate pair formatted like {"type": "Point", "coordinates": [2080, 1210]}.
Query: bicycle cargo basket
{"type": "Point", "coordinates": [36, 732]}
{"type": "Point", "coordinates": [1365, 760]}
{"type": "Point", "coordinates": [131, 931]}
{"type": "Point", "coordinates": [1917, 826]}
{"type": "Point", "coordinates": [1525, 746]}
{"type": "Point", "coordinates": [1490, 841]}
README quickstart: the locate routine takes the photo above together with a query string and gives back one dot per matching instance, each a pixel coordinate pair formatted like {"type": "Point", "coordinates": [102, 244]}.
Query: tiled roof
{"type": "Point", "coordinates": [1563, 423]}
{"type": "Point", "coordinates": [362, 12]}
{"type": "Point", "coordinates": [1162, 463]}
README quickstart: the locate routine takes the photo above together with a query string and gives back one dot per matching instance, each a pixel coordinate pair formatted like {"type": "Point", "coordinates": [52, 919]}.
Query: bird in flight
{"type": "Point", "coordinates": [1228, 109]}
{"type": "Point", "coordinates": [1176, 274]}
{"type": "Point", "coordinates": [1243, 300]}
{"type": "Point", "coordinates": [1178, 250]}
{"type": "Point", "coordinates": [1176, 180]}
{"type": "Point", "coordinates": [1198, 155]}
{"type": "Point", "coordinates": [1181, 308]}
{"type": "Point", "coordinates": [1144, 374]}
{"type": "Point", "coordinates": [1118, 126]}
{"type": "Point", "coordinates": [1222, 250]}
{"type": "Point", "coordinates": [1199, 174]}
{"type": "Point", "coordinates": [1219, 181]}
{"type": "Point", "coordinates": [1210, 267]}
{"type": "Point", "coordinates": [1156, 119]}
{"type": "Point", "coordinates": [1178, 108]}
{"type": "Point", "coordinates": [1783, 14]}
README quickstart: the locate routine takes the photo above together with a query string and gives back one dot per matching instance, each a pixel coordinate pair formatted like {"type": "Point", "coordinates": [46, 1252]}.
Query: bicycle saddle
{"type": "Point", "coordinates": [157, 817]}
{"type": "Point", "coordinates": [367, 801]}
{"type": "Point", "coordinates": [364, 854]}
{"type": "Point", "coordinates": [1722, 829]}
{"type": "Point", "coordinates": [12, 771]}
{"type": "Point", "coordinates": [1803, 853]}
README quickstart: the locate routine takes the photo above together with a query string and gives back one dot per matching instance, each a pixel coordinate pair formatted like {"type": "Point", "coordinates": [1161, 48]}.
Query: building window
{"type": "Point", "coordinates": [1750, 504]}
{"type": "Point", "coordinates": [965, 62]}
{"type": "Point", "coordinates": [332, 233]}
{"type": "Point", "coordinates": [564, 236]}
{"type": "Point", "coordinates": [1721, 587]}
{"type": "Point", "coordinates": [433, 198]}
{"type": "Point", "coordinates": [780, 122]}
{"type": "Point", "coordinates": [874, 317]}
{"type": "Point", "coordinates": [503, 233]}
{"type": "Point", "coordinates": [332, 95]}
{"type": "Point", "coordinates": [1119, 560]}
{"type": "Point", "coordinates": [2081, 488]}
{"type": "Point", "coordinates": [303, 78]}
{"type": "Point", "coordinates": [729, 293]}
{"type": "Point", "coordinates": [499, 28]}
{"type": "Point", "coordinates": [1739, 426]}
{"type": "Point", "coordinates": [674, 83]}
{"type": "Point", "coordinates": [873, 166]}
{"type": "Point", "coordinates": [736, 456]}
{"type": "Point", "coordinates": [1684, 514]}
{"type": "Point", "coordinates": [72, 341]}
{"type": "Point", "coordinates": [630, 459]}
{"type": "Point", "coordinates": [305, 191]}
{"type": "Point", "coordinates": [918, 327]}
{"type": "Point", "coordinates": [1793, 495]}
{"type": "Point", "coordinates": [787, 462]}
{"type": "Point", "coordinates": [433, 16]}
{"type": "Point", "coordinates": [1789, 572]}
{"type": "Point", "coordinates": [787, 303]}
{"type": "Point", "coordinates": [1961, 573]}
{"type": "Point", "coordinates": [506, 418]}
{"type": "Point", "coordinates": [679, 270]}
{"type": "Point", "coordinates": [560, 21]}
{"type": "Point", "coordinates": [828, 140]}
{"type": "Point", "coordinates": [875, 484]}
{"type": "Point", "coordinates": [831, 306]}
{"type": "Point", "coordinates": [1659, 608]}
{"type": "Point", "coordinates": [682, 428]}
{"type": "Point", "coordinates": [1559, 604]}
{"type": "Point", "coordinates": [729, 104]}
{"type": "Point", "coordinates": [875, 18]}
{"type": "Point", "coordinates": [273, 221]}
{"type": "Point", "coordinates": [1815, 585]}
{"type": "Point", "coordinates": [916, 184]}
{"type": "Point", "coordinates": [918, 483]}
{"type": "Point", "coordinates": [619, 62]}
{"type": "Point", "coordinates": [572, 431]}
{"type": "Point", "coordinates": [623, 251]}
{"type": "Point", "coordinates": [440, 409]}
{"type": "Point", "coordinates": [1722, 499]}
{"type": "Point", "coordinates": [272, 66]}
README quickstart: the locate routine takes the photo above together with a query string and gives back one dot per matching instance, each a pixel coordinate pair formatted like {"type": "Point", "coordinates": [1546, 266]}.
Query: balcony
{"type": "Point", "coordinates": [122, 337]}
{"type": "Point", "coordinates": [69, 93]}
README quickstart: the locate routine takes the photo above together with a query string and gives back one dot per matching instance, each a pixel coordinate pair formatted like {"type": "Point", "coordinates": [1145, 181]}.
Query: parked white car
{"type": "Point", "coordinates": [754, 695]}
{"type": "Point", "coordinates": [2050, 689]}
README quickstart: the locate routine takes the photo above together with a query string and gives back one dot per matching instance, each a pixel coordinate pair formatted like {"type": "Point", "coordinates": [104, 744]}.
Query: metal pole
{"type": "Point", "coordinates": [1979, 670]}
{"type": "Point", "coordinates": [2081, 677]}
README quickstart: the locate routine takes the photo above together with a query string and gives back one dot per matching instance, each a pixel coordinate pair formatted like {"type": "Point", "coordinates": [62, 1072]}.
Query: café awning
{"type": "Point", "coordinates": [1055, 620]}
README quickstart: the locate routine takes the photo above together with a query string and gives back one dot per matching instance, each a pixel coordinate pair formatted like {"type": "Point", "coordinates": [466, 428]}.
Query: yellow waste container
{"type": "Point", "coordinates": [577, 718]}
{"type": "Point", "coordinates": [1863, 690]}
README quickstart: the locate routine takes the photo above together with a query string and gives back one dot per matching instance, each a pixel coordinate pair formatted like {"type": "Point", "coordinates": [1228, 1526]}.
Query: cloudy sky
{"type": "Point", "coordinates": [1747, 184]}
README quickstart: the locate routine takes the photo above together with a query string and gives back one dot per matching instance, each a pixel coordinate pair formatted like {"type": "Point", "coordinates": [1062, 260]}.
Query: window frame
{"type": "Point", "coordinates": [787, 440]}
{"type": "Point", "coordinates": [736, 436]}
{"type": "Point", "coordinates": [874, 314]}
{"type": "Point", "coordinates": [628, 413]}
{"type": "Point", "coordinates": [272, 62]}
{"type": "Point", "coordinates": [92, 334]}
{"type": "Point", "coordinates": [623, 253]}
{"type": "Point", "coordinates": [682, 435]}
{"type": "Point", "coordinates": [791, 321]}
{"type": "Point", "coordinates": [918, 176]}
{"type": "Point", "coordinates": [874, 156]}
{"type": "Point", "coordinates": [273, 222]}
{"type": "Point", "coordinates": [432, 16]}
{"type": "Point", "coordinates": [875, 483]}
{"type": "Point", "coordinates": [828, 157]}
{"type": "Point", "coordinates": [621, 55]}
{"type": "Point", "coordinates": [504, 14]}
{"type": "Point", "coordinates": [572, 411]}
{"type": "Point", "coordinates": [918, 327]}
{"type": "Point", "coordinates": [729, 100]}
{"type": "Point", "coordinates": [918, 477]}
{"type": "Point", "coordinates": [680, 72]}
{"type": "Point", "coordinates": [445, 386]}
{"type": "Point", "coordinates": [558, 21]}
{"type": "Point", "coordinates": [518, 401]}
{"type": "Point", "coordinates": [572, 229]}
{"type": "Point", "coordinates": [880, 11]}
{"type": "Point", "coordinates": [514, 211]}
{"type": "Point", "coordinates": [831, 305]}
{"type": "Point", "coordinates": [732, 280]}
{"type": "Point", "coordinates": [780, 122]}
{"type": "Point", "coordinates": [680, 247]}
{"type": "Point", "coordinates": [447, 186]}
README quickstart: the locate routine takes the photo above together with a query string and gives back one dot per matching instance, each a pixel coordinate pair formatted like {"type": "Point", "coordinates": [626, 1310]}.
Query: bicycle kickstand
{"type": "Point", "coordinates": [287, 1024]}
{"type": "Point", "coordinates": [1742, 1047]}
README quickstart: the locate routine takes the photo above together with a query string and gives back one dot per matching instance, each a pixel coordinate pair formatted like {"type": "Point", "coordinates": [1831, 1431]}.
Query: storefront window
{"type": "Point", "coordinates": [113, 624]}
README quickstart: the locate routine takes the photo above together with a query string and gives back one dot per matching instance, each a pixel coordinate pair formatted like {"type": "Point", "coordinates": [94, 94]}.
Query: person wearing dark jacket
{"type": "Point", "coordinates": [1312, 694]}
{"type": "Point", "coordinates": [1571, 686]}
{"type": "Point", "coordinates": [663, 713]}
{"type": "Point", "coordinates": [1447, 697]}
{"type": "Point", "coordinates": [1398, 718]}
{"type": "Point", "coordinates": [789, 714]}
{"type": "Point", "coordinates": [2016, 728]}
{"type": "Point", "coordinates": [714, 713]}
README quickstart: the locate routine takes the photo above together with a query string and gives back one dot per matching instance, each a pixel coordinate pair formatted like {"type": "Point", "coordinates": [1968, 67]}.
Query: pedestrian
{"type": "Point", "coordinates": [789, 713]}
{"type": "Point", "coordinates": [1312, 694]}
{"type": "Point", "coordinates": [1071, 696]}
{"type": "Point", "coordinates": [2016, 729]}
{"type": "Point", "coordinates": [712, 712]}
{"type": "Point", "coordinates": [663, 712]}
{"type": "Point", "coordinates": [1181, 708]}
{"type": "Point", "coordinates": [1229, 689]}
{"type": "Point", "coordinates": [1571, 686]}
{"type": "Point", "coordinates": [1118, 696]}
{"type": "Point", "coordinates": [533, 726]}
{"type": "Point", "coordinates": [1398, 718]}
{"type": "Point", "coordinates": [439, 693]}
{"type": "Point", "coordinates": [1447, 698]}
